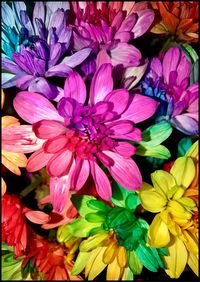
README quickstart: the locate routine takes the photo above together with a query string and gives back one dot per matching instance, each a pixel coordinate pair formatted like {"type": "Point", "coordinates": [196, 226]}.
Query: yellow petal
{"type": "Point", "coordinates": [98, 265]}
{"type": "Point", "coordinates": [193, 262]}
{"type": "Point", "coordinates": [158, 233]}
{"type": "Point", "coordinates": [8, 121]}
{"type": "Point", "coordinates": [183, 171]}
{"type": "Point", "coordinates": [92, 256]}
{"type": "Point", "coordinates": [193, 151]}
{"type": "Point", "coordinates": [152, 201]}
{"type": "Point", "coordinates": [80, 263]}
{"type": "Point", "coordinates": [179, 193]}
{"type": "Point", "coordinates": [110, 253]}
{"type": "Point", "coordinates": [9, 165]}
{"type": "Point", "coordinates": [127, 275]}
{"type": "Point", "coordinates": [146, 186]}
{"type": "Point", "coordinates": [114, 271]}
{"type": "Point", "coordinates": [92, 242]}
{"type": "Point", "coordinates": [187, 203]}
{"type": "Point", "coordinates": [13, 160]}
{"type": "Point", "coordinates": [177, 258]}
{"type": "Point", "coordinates": [178, 210]}
{"type": "Point", "coordinates": [162, 181]}
{"type": "Point", "coordinates": [121, 257]}
{"type": "Point", "coordinates": [3, 187]}
{"type": "Point", "coordinates": [192, 242]}
{"type": "Point", "coordinates": [2, 98]}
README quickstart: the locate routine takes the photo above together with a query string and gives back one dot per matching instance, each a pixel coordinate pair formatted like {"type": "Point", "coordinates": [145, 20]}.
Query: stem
{"type": "Point", "coordinates": [32, 186]}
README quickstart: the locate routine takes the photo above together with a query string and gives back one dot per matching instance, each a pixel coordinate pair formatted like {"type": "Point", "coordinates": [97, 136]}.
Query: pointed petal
{"type": "Point", "coordinates": [60, 163]}
{"type": "Point", "coordinates": [37, 217]}
{"type": "Point", "coordinates": [102, 183]}
{"type": "Point", "coordinates": [101, 87]}
{"type": "Point", "coordinates": [38, 160]}
{"type": "Point", "coordinates": [77, 58]}
{"type": "Point", "coordinates": [162, 181]}
{"type": "Point", "coordinates": [119, 98]}
{"type": "Point", "coordinates": [34, 107]}
{"type": "Point", "coordinates": [75, 88]}
{"type": "Point", "coordinates": [55, 144]}
{"type": "Point", "coordinates": [128, 167]}
{"type": "Point", "coordinates": [46, 129]}
{"type": "Point", "coordinates": [125, 149]}
{"type": "Point", "coordinates": [145, 19]}
{"type": "Point", "coordinates": [80, 174]}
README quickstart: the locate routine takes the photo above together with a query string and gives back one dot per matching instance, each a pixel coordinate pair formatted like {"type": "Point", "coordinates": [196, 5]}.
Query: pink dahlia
{"type": "Point", "coordinates": [84, 133]}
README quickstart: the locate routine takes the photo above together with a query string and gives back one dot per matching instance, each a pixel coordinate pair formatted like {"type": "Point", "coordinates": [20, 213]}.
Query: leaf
{"type": "Point", "coordinates": [134, 263]}
{"type": "Point", "coordinates": [158, 151]}
{"type": "Point", "coordinates": [156, 134]}
{"type": "Point", "coordinates": [80, 203]}
{"type": "Point", "coordinates": [190, 52]}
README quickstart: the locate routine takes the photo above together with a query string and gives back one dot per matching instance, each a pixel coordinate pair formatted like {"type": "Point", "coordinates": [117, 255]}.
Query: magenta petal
{"type": "Point", "coordinates": [102, 58]}
{"type": "Point", "coordinates": [34, 107]}
{"type": "Point", "coordinates": [102, 83]}
{"type": "Point", "coordinates": [59, 70]}
{"type": "Point", "coordinates": [55, 144]}
{"type": "Point", "coordinates": [60, 163]}
{"type": "Point", "coordinates": [145, 19]}
{"type": "Point", "coordinates": [75, 87]}
{"type": "Point", "coordinates": [119, 98]}
{"type": "Point", "coordinates": [140, 108]}
{"type": "Point", "coordinates": [102, 182]}
{"type": "Point", "coordinates": [46, 129]}
{"type": "Point", "coordinates": [59, 192]}
{"type": "Point", "coordinates": [38, 160]}
{"type": "Point", "coordinates": [119, 128]}
{"type": "Point", "coordinates": [125, 149]}
{"type": "Point", "coordinates": [42, 86]}
{"type": "Point", "coordinates": [125, 171]}
{"type": "Point", "coordinates": [156, 66]}
{"type": "Point", "coordinates": [170, 62]}
{"type": "Point", "coordinates": [80, 174]}
{"type": "Point", "coordinates": [135, 135]}
{"type": "Point", "coordinates": [125, 54]}
{"type": "Point", "coordinates": [20, 139]}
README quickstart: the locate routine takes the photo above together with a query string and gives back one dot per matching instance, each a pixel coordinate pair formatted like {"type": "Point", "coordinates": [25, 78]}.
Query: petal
{"type": "Point", "coordinates": [162, 181]}
{"type": "Point", "coordinates": [140, 108]}
{"type": "Point", "coordinates": [75, 88]}
{"type": "Point", "coordinates": [152, 201]}
{"type": "Point", "coordinates": [170, 62]}
{"type": "Point", "coordinates": [55, 144]}
{"type": "Point", "coordinates": [119, 98]}
{"type": "Point", "coordinates": [98, 264]}
{"type": "Point", "coordinates": [145, 19]}
{"type": "Point", "coordinates": [77, 58]}
{"type": "Point", "coordinates": [34, 107]}
{"type": "Point", "coordinates": [174, 265]}
{"type": "Point", "coordinates": [46, 129]}
{"type": "Point", "coordinates": [59, 192]}
{"type": "Point", "coordinates": [59, 70]}
{"type": "Point", "coordinates": [183, 171]}
{"type": "Point", "coordinates": [185, 124]}
{"type": "Point", "coordinates": [102, 183]}
{"type": "Point", "coordinates": [121, 167]}
{"type": "Point", "coordinates": [158, 233]}
{"type": "Point", "coordinates": [100, 87]}
{"type": "Point", "coordinates": [60, 163]}
{"type": "Point", "coordinates": [80, 174]}
{"type": "Point", "coordinates": [24, 81]}
{"type": "Point", "coordinates": [37, 217]}
{"type": "Point", "coordinates": [3, 187]}
{"type": "Point", "coordinates": [38, 160]}
{"type": "Point", "coordinates": [102, 58]}
{"type": "Point", "coordinates": [113, 271]}
{"type": "Point", "coordinates": [125, 149]}
{"type": "Point", "coordinates": [119, 128]}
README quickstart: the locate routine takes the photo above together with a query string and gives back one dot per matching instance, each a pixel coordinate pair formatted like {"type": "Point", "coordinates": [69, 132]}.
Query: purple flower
{"type": "Point", "coordinates": [42, 57]}
{"type": "Point", "coordinates": [168, 82]}
{"type": "Point", "coordinates": [81, 135]}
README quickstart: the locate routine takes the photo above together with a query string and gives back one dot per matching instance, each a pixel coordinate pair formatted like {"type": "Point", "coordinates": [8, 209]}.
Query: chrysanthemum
{"type": "Point", "coordinates": [14, 228]}
{"type": "Point", "coordinates": [50, 259]}
{"type": "Point", "coordinates": [173, 226]}
{"type": "Point", "coordinates": [42, 46]}
{"type": "Point", "coordinates": [177, 19]}
{"type": "Point", "coordinates": [80, 133]}
{"type": "Point", "coordinates": [168, 82]}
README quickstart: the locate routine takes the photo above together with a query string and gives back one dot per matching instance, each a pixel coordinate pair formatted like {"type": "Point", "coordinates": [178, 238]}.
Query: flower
{"type": "Point", "coordinates": [168, 82]}
{"type": "Point", "coordinates": [78, 134]}
{"type": "Point", "coordinates": [115, 238]}
{"type": "Point", "coordinates": [178, 20]}
{"type": "Point", "coordinates": [174, 225]}
{"type": "Point", "coordinates": [41, 57]}
{"type": "Point", "coordinates": [50, 259]}
{"type": "Point", "coordinates": [14, 228]}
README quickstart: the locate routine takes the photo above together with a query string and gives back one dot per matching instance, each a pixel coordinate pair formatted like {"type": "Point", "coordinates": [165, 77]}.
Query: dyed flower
{"type": "Point", "coordinates": [50, 260]}
{"type": "Point", "coordinates": [173, 226]}
{"type": "Point", "coordinates": [42, 47]}
{"type": "Point", "coordinates": [178, 20]}
{"type": "Point", "coordinates": [168, 82]}
{"type": "Point", "coordinates": [14, 228]}
{"type": "Point", "coordinates": [78, 135]}
{"type": "Point", "coordinates": [116, 239]}
{"type": "Point", "coordinates": [107, 28]}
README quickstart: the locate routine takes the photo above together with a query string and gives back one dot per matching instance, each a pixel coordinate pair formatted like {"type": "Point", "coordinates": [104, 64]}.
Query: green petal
{"type": "Point", "coordinates": [80, 203]}
{"type": "Point", "coordinates": [158, 151]}
{"type": "Point", "coordinates": [95, 217]}
{"type": "Point", "coordinates": [162, 181]}
{"type": "Point", "coordinates": [92, 242]}
{"type": "Point", "coordinates": [98, 205]}
{"type": "Point", "coordinates": [183, 171]}
{"type": "Point", "coordinates": [82, 228]}
{"type": "Point", "coordinates": [183, 145]}
{"type": "Point", "coordinates": [134, 263]}
{"type": "Point", "coordinates": [132, 201]}
{"type": "Point", "coordinates": [146, 257]}
{"type": "Point", "coordinates": [80, 263]}
{"type": "Point", "coordinates": [119, 195]}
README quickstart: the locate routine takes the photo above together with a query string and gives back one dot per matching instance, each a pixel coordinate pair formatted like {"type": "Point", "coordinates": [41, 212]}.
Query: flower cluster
{"type": "Point", "coordinates": [99, 99]}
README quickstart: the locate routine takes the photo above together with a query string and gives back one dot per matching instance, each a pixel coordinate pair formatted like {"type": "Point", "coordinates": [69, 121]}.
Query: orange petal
{"type": "Point", "coordinates": [8, 121]}
{"type": "Point", "coordinates": [3, 187]}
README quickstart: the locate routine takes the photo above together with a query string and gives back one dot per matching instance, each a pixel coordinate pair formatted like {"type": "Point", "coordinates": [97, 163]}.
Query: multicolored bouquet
{"type": "Point", "coordinates": [100, 140]}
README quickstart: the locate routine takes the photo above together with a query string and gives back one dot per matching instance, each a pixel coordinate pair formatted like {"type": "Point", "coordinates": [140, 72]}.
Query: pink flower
{"type": "Point", "coordinates": [80, 135]}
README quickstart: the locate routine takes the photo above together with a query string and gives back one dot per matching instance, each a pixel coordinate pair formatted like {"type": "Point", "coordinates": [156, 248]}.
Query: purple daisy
{"type": "Point", "coordinates": [82, 134]}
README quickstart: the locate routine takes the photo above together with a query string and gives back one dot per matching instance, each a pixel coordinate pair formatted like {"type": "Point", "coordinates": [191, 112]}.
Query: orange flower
{"type": "Point", "coordinates": [50, 259]}
{"type": "Point", "coordinates": [177, 19]}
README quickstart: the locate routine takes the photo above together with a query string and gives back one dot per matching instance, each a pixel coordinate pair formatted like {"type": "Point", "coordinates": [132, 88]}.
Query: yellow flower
{"type": "Point", "coordinates": [101, 251]}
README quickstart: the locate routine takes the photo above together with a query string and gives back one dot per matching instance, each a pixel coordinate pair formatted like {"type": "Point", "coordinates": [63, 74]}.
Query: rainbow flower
{"type": "Point", "coordinates": [79, 134]}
